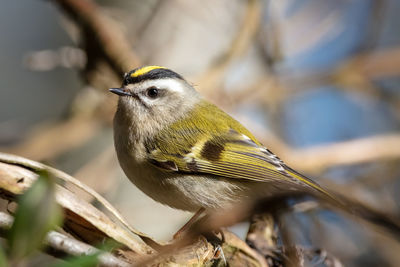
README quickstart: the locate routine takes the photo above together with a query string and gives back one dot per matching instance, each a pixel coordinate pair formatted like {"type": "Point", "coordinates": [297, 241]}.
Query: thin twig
{"type": "Point", "coordinates": [318, 158]}
{"type": "Point", "coordinates": [107, 38]}
{"type": "Point", "coordinates": [246, 33]}
{"type": "Point", "coordinates": [60, 245]}
{"type": "Point", "coordinates": [45, 143]}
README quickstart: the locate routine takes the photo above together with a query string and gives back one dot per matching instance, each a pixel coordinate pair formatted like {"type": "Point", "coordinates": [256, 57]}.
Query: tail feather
{"type": "Point", "coordinates": [350, 206]}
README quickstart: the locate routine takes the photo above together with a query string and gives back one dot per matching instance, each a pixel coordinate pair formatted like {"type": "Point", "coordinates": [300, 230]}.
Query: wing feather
{"type": "Point", "coordinates": [233, 154]}
{"type": "Point", "coordinates": [239, 158]}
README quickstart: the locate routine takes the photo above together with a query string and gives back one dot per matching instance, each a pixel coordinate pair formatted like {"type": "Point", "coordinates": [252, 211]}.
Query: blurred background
{"type": "Point", "coordinates": [316, 81]}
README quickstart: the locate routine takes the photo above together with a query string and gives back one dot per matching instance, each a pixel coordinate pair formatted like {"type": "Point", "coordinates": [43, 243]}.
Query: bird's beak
{"type": "Point", "coordinates": [120, 91]}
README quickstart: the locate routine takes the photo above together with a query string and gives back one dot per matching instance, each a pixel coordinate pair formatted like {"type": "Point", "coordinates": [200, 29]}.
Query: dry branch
{"type": "Point", "coordinates": [60, 245]}
{"type": "Point", "coordinates": [85, 222]}
{"type": "Point", "coordinates": [80, 215]}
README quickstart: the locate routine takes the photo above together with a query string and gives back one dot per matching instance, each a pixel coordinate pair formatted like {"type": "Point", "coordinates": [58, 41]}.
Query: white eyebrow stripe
{"type": "Point", "coordinates": [167, 83]}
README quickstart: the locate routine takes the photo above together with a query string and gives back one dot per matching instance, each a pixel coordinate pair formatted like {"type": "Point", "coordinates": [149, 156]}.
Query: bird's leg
{"type": "Point", "coordinates": [189, 223]}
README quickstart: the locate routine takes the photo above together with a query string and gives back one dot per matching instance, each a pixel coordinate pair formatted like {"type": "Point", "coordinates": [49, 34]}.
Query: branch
{"type": "Point", "coordinates": [84, 221]}
{"type": "Point", "coordinates": [80, 215]}
{"type": "Point", "coordinates": [262, 235]}
{"type": "Point", "coordinates": [369, 149]}
{"type": "Point", "coordinates": [101, 35]}
{"type": "Point", "coordinates": [60, 245]}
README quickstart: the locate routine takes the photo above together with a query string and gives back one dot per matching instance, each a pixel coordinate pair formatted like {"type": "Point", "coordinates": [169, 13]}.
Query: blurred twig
{"type": "Point", "coordinates": [369, 149]}
{"type": "Point", "coordinates": [104, 166]}
{"type": "Point", "coordinates": [211, 79]}
{"type": "Point", "coordinates": [60, 245]}
{"type": "Point", "coordinates": [49, 141]}
{"type": "Point", "coordinates": [105, 45]}
{"type": "Point", "coordinates": [262, 236]}
{"type": "Point", "coordinates": [318, 158]}
{"type": "Point", "coordinates": [360, 70]}
{"type": "Point", "coordinates": [102, 36]}
{"type": "Point", "coordinates": [278, 205]}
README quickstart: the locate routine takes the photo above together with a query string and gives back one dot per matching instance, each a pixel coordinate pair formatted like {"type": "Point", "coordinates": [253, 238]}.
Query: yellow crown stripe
{"type": "Point", "coordinates": [145, 70]}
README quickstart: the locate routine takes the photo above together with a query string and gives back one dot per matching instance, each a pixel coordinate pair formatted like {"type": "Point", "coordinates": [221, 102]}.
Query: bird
{"type": "Point", "coordinates": [186, 153]}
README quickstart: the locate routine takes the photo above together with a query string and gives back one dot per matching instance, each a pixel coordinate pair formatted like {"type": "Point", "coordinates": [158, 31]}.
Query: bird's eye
{"type": "Point", "coordinates": [152, 92]}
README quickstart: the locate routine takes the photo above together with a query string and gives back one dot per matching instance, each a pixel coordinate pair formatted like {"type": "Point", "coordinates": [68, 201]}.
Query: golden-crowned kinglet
{"type": "Point", "coordinates": [186, 153]}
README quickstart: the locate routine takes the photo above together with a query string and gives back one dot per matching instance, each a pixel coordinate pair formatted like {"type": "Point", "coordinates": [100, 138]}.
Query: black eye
{"type": "Point", "coordinates": [152, 92]}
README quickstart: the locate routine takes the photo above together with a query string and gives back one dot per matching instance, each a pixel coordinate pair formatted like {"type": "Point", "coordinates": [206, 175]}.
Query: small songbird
{"type": "Point", "coordinates": [187, 153]}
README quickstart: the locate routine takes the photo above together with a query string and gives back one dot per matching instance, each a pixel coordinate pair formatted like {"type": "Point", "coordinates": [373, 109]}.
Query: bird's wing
{"type": "Point", "coordinates": [230, 155]}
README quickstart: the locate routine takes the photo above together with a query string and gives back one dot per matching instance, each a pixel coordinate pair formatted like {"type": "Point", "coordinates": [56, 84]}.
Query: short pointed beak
{"type": "Point", "coordinates": [120, 91]}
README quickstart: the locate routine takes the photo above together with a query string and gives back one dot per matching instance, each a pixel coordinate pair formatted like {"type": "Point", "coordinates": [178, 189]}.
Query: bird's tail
{"type": "Point", "coordinates": [315, 186]}
{"type": "Point", "coordinates": [348, 205]}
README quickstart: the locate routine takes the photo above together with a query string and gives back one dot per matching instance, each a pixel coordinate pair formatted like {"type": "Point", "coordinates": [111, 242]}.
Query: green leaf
{"type": "Point", "coordinates": [37, 214]}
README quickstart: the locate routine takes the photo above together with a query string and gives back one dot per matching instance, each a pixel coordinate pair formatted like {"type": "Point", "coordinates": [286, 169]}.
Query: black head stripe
{"type": "Point", "coordinates": [159, 73]}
